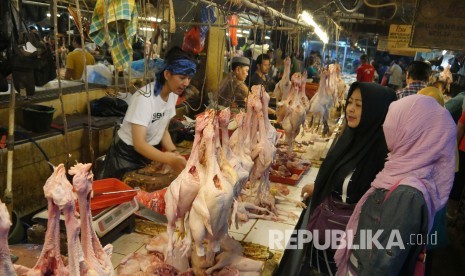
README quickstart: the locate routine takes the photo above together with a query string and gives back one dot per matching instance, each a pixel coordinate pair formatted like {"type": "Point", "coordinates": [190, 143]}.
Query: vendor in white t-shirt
{"type": "Point", "coordinates": [145, 124]}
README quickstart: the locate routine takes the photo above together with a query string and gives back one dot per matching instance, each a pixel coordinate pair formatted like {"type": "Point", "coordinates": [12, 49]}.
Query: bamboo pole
{"type": "Point", "coordinates": [242, 26]}
{"type": "Point", "coordinates": [8, 195]}
{"type": "Point", "coordinates": [263, 9]}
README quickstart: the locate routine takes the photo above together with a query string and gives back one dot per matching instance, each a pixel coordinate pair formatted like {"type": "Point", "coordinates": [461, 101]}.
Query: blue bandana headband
{"type": "Point", "coordinates": [185, 67]}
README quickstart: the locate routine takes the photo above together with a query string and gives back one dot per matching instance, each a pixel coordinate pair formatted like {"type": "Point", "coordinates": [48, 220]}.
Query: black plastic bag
{"type": "Point", "coordinates": [108, 106]}
{"type": "Point", "coordinates": [120, 159]}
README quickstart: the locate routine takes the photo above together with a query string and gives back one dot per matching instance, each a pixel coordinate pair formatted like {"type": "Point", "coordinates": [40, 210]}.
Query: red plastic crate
{"type": "Point", "coordinates": [288, 180]}
{"type": "Point", "coordinates": [109, 185]}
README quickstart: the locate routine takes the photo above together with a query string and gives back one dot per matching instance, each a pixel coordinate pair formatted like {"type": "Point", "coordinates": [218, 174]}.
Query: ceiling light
{"type": "Point", "coordinates": [307, 18]}
{"type": "Point", "coordinates": [151, 18]}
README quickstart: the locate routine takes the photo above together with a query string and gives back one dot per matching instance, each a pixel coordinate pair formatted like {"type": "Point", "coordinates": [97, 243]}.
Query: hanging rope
{"type": "Point", "coordinates": [202, 90]}
{"type": "Point", "coordinates": [60, 90]}
{"type": "Point", "coordinates": [86, 83]}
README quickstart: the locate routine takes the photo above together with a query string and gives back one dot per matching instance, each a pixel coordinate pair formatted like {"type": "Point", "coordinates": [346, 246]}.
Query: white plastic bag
{"type": "Point", "coordinates": [99, 73]}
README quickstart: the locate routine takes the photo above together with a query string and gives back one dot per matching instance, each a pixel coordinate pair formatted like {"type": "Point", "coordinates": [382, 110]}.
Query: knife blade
{"type": "Point", "coordinates": [117, 192]}
{"type": "Point", "coordinates": [151, 215]}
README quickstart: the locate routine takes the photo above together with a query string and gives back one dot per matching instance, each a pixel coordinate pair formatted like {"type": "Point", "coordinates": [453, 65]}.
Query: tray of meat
{"type": "Point", "coordinates": [110, 192]}
{"type": "Point", "coordinates": [283, 175]}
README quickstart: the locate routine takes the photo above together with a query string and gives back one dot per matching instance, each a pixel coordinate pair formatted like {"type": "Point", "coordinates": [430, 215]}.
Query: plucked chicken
{"type": "Point", "coordinates": [292, 110]}
{"type": "Point", "coordinates": [96, 258]}
{"type": "Point", "coordinates": [183, 190]}
{"type": "Point", "coordinates": [6, 266]}
{"type": "Point", "coordinates": [59, 194]}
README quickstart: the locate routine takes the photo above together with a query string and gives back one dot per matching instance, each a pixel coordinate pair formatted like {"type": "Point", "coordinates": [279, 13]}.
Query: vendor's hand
{"type": "Point", "coordinates": [307, 191]}
{"type": "Point", "coordinates": [176, 161]}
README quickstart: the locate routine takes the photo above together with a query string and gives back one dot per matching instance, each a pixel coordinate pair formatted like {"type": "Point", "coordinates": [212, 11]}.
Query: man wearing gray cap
{"type": "Point", "coordinates": [232, 89]}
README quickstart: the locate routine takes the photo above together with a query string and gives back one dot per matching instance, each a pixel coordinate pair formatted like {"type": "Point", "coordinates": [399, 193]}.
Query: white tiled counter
{"type": "Point", "coordinates": [259, 231]}
{"type": "Point", "coordinates": [265, 232]}
{"type": "Point", "coordinates": [256, 231]}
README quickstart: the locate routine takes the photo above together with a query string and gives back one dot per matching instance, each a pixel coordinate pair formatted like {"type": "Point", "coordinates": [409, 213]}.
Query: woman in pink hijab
{"type": "Point", "coordinates": [419, 171]}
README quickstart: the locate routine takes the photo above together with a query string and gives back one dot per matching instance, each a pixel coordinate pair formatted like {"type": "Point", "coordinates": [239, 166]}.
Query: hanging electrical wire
{"type": "Point", "coordinates": [60, 90]}
{"type": "Point", "coordinates": [394, 4]}
{"type": "Point", "coordinates": [202, 90]}
{"type": "Point", "coordinates": [355, 6]}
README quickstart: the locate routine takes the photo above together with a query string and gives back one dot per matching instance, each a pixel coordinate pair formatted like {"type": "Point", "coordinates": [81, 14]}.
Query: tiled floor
{"type": "Point", "coordinates": [127, 244]}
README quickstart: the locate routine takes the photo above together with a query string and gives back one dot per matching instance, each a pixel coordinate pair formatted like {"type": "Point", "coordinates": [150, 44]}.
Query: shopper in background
{"type": "Point", "coordinates": [440, 225]}
{"type": "Point", "coordinates": [405, 196]}
{"type": "Point", "coordinates": [455, 104]}
{"type": "Point", "coordinates": [395, 75]}
{"type": "Point", "coordinates": [350, 167]}
{"type": "Point", "coordinates": [440, 85]}
{"type": "Point", "coordinates": [376, 75]}
{"type": "Point", "coordinates": [418, 73]}
{"type": "Point", "coordinates": [459, 181]}
{"type": "Point", "coordinates": [260, 77]}
{"type": "Point", "coordinates": [75, 60]}
{"type": "Point", "coordinates": [232, 90]}
{"type": "Point", "coordinates": [145, 125]}
{"type": "Point", "coordinates": [273, 71]}
{"type": "Point", "coordinates": [365, 72]}
{"type": "Point", "coordinates": [445, 75]}
{"type": "Point", "coordinates": [312, 69]}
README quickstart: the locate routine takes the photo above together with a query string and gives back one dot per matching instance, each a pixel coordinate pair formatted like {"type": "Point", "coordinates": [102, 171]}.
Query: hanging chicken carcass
{"type": "Point", "coordinates": [209, 216]}
{"type": "Point", "coordinates": [330, 94]}
{"type": "Point", "coordinates": [183, 190]}
{"type": "Point", "coordinates": [282, 88]}
{"type": "Point", "coordinates": [292, 110]}
{"type": "Point", "coordinates": [6, 266]}
{"type": "Point", "coordinates": [59, 194]}
{"type": "Point", "coordinates": [96, 258]}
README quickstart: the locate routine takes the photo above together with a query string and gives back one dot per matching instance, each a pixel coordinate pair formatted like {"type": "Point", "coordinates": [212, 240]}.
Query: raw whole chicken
{"type": "Point", "coordinates": [84, 258]}
{"type": "Point", "coordinates": [330, 93]}
{"type": "Point", "coordinates": [59, 194]}
{"type": "Point", "coordinates": [211, 208]}
{"type": "Point", "coordinates": [237, 146]}
{"type": "Point", "coordinates": [292, 110]}
{"type": "Point", "coordinates": [183, 190]}
{"type": "Point", "coordinates": [243, 211]}
{"type": "Point", "coordinates": [261, 139]}
{"type": "Point", "coordinates": [6, 266]}
{"type": "Point", "coordinates": [136, 262]}
{"type": "Point", "coordinates": [232, 256]}
{"type": "Point", "coordinates": [229, 159]}
{"type": "Point", "coordinates": [283, 87]}
{"type": "Point", "coordinates": [96, 259]}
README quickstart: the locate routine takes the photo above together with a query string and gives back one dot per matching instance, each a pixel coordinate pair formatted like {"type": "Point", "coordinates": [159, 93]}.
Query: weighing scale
{"type": "Point", "coordinates": [104, 221]}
